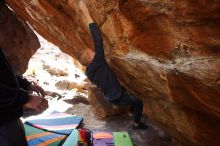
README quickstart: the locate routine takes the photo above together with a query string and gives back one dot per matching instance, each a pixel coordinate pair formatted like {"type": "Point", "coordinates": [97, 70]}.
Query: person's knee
{"type": "Point", "coordinates": [115, 102]}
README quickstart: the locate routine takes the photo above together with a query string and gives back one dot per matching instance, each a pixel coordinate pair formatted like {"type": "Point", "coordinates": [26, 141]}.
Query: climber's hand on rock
{"type": "Point", "coordinates": [85, 11]}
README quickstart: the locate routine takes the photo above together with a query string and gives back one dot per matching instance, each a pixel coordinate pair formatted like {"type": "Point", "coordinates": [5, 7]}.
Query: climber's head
{"type": "Point", "coordinates": [86, 57]}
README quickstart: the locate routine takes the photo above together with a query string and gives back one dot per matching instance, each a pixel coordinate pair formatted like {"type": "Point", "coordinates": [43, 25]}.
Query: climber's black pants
{"type": "Point", "coordinates": [135, 103]}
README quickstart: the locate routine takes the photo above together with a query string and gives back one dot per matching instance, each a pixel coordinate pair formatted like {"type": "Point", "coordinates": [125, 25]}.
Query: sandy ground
{"type": "Point", "coordinates": [54, 71]}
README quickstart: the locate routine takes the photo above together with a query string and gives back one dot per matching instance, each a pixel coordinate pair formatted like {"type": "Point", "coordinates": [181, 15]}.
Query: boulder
{"type": "Point", "coordinates": [17, 39]}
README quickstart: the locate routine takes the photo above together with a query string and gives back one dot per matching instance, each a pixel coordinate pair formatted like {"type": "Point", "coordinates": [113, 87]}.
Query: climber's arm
{"type": "Point", "coordinates": [94, 30]}
{"type": "Point", "coordinates": [85, 11]}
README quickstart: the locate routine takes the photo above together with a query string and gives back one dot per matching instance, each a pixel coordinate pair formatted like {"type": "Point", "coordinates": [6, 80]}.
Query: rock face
{"type": "Point", "coordinates": [102, 107]}
{"type": "Point", "coordinates": [165, 52]}
{"type": "Point", "coordinates": [17, 39]}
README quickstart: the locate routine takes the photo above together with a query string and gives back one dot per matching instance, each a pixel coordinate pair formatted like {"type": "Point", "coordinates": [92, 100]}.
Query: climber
{"type": "Point", "coordinates": [100, 74]}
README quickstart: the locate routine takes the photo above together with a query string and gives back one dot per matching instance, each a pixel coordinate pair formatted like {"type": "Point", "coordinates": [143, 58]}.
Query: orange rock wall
{"type": "Point", "coordinates": [165, 52]}
{"type": "Point", "coordinates": [17, 39]}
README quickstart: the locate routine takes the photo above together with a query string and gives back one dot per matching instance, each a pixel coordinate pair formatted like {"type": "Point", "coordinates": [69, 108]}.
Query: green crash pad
{"type": "Point", "coordinates": [122, 139]}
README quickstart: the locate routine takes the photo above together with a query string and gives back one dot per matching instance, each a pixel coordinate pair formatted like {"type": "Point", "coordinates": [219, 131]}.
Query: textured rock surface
{"type": "Point", "coordinates": [102, 107]}
{"type": "Point", "coordinates": [165, 52]}
{"type": "Point", "coordinates": [17, 39]}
